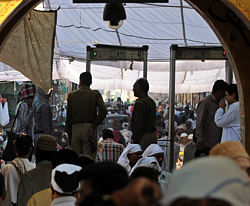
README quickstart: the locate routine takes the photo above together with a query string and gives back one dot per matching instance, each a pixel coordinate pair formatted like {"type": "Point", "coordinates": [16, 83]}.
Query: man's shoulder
{"type": "Point", "coordinates": [75, 92]}
{"type": "Point", "coordinates": [96, 92]}
{"type": "Point", "coordinates": [236, 105]}
{"type": "Point", "coordinates": [148, 98]}
{"type": "Point", "coordinates": [145, 99]}
{"type": "Point", "coordinates": [44, 105]}
{"type": "Point", "coordinates": [112, 142]}
{"type": "Point", "coordinates": [36, 171]}
{"type": "Point", "coordinates": [83, 91]}
{"type": "Point", "coordinates": [119, 145]}
{"type": "Point", "coordinates": [205, 101]}
{"type": "Point", "coordinates": [8, 168]}
{"type": "Point", "coordinates": [139, 102]}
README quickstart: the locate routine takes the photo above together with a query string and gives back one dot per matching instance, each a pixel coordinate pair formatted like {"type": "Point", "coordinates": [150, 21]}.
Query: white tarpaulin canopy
{"type": "Point", "coordinates": [155, 25]}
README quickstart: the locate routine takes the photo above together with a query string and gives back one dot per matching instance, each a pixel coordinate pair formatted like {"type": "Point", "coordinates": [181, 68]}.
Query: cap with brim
{"type": "Point", "coordinates": [46, 143]}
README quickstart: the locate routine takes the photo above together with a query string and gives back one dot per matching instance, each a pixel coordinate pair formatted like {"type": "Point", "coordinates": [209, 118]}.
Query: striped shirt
{"type": "Point", "coordinates": [111, 151]}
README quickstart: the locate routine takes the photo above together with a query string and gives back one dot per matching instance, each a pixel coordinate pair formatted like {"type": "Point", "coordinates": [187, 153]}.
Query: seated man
{"type": "Point", "coordinates": [130, 155]}
{"type": "Point", "coordinates": [154, 150]}
{"type": "Point", "coordinates": [111, 150]}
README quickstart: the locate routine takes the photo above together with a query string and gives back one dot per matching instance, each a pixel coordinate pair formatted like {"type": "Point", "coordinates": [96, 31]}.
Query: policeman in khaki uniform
{"type": "Point", "coordinates": [82, 117]}
{"type": "Point", "coordinates": [143, 119]}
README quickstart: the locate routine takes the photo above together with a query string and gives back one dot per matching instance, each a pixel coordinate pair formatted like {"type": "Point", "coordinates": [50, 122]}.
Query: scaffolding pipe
{"type": "Point", "coordinates": [171, 132]}
{"type": "Point", "coordinates": [88, 61]}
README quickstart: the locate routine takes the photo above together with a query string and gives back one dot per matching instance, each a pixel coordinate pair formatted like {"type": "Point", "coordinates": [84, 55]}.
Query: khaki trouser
{"type": "Point", "coordinates": [147, 139]}
{"type": "Point", "coordinates": [80, 140]}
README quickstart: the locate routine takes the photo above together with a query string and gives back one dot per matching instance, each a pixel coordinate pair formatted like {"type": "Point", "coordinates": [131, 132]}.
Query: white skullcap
{"type": "Point", "coordinates": [152, 150]}
{"type": "Point", "coordinates": [180, 127]}
{"type": "Point", "coordinates": [147, 162]}
{"type": "Point", "coordinates": [123, 159]}
{"type": "Point", "coordinates": [209, 177]}
{"type": "Point", "coordinates": [184, 134]}
{"type": "Point", "coordinates": [190, 136]}
{"type": "Point", "coordinates": [69, 169]}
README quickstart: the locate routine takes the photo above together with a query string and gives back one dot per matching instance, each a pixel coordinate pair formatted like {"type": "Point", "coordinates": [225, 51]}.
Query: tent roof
{"type": "Point", "coordinates": [156, 25]}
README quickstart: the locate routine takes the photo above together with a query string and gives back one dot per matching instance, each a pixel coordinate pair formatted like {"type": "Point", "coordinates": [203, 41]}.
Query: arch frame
{"type": "Point", "coordinates": [233, 30]}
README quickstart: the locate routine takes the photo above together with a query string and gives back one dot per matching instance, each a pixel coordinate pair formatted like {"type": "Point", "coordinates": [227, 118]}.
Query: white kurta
{"type": "Point", "coordinates": [64, 201]}
{"type": "Point", "coordinates": [230, 122]}
{"type": "Point", "coordinates": [12, 179]}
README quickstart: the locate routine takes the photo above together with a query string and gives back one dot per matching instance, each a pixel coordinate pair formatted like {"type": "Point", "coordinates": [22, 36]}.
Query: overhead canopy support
{"type": "Point", "coordinates": [185, 53]}
{"type": "Point", "coordinates": [103, 52]}
{"type": "Point", "coordinates": [123, 1]}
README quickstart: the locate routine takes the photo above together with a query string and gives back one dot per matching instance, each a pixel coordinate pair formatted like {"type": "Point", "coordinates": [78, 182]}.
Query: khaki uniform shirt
{"type": "Point", "coordinates": [143, 118]}
{"type": "Point", "coordinates": [82, 108]}
{"type": "Point", "coordinates": [206, 129]}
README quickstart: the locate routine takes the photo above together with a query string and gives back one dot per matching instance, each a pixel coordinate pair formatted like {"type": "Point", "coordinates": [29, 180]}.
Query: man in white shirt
{"type": "Point", "coordinates": [12, 171]}
{"type": "Point", "coordinates": [229, 120]}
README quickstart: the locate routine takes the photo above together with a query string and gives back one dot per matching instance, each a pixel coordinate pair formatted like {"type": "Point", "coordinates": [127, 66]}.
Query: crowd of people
{"type": "Point", "coordinates": [134, 172]}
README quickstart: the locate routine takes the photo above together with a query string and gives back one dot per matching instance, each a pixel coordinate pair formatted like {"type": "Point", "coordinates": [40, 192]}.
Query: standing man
{"type": "Point", "coordinates": [25, 110]}
{"type": "Point", "coordinates": [82, 117]}
{"type": "Point", "coordinates": [42, 114]}
{"type": "Point", "coordinates": [229, 120]}
{"type": "Point", "coordinates": [31, 182]}
{"type": "Point", "coordinates": [207, 132]}
{"type": "Point", "coordinates": [143, 119]}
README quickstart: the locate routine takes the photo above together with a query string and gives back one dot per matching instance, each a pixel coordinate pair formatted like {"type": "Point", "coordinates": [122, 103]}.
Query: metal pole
{"type": "Point", "coordinates": [191, 99]}
{"type": "Point", "coordinates": [171, 133]}
{"type": "Point", "coordinates": [145, 62]}
{"type": "Point", "coordinates": [229, 73]}
{"type": "Point", "coordinates": [183, 99]}
{"type": "Point", "coordinates": [88, 61]}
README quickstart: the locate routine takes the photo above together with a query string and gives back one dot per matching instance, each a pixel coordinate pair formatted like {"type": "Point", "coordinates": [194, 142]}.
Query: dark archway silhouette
{"type": "Point", "coordinates": [233, 30]}
{"type": "Point", "coordinates": [231, 27]}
